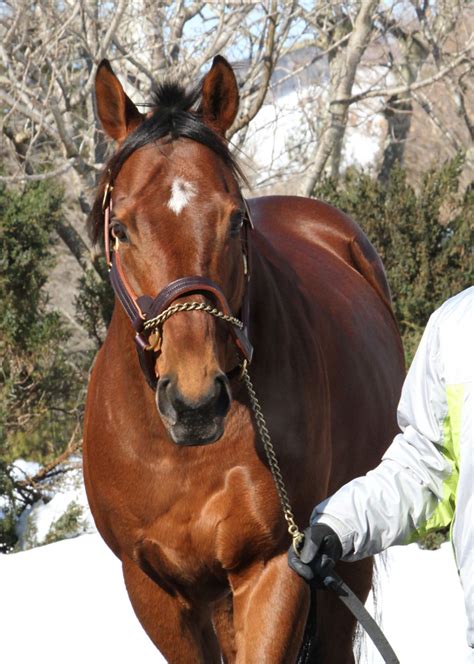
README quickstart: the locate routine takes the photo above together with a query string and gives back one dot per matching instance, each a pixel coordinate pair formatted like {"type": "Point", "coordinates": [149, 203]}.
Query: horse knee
{"type": "Point", "coordinates": [271, 607]}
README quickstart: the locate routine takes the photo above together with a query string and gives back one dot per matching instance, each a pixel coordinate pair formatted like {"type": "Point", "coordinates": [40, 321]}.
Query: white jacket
{"type": "Point", "coordinates": [426, 477]}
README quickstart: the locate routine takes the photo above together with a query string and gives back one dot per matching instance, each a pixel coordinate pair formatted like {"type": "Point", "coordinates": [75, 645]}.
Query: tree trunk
{"type": "Point", "coordinates": [333, 134]}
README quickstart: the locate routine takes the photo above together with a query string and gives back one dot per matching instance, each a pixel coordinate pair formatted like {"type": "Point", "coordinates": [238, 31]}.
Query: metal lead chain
{"type": "Point", "coordinates": [295, 533]}
{"type": "Point", "coordinates": [191, 306]}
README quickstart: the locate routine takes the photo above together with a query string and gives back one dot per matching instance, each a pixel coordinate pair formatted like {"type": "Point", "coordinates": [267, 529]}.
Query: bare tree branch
{"type": "Point", "coordinates": [267, 66]}
{"type": "Point", "coordinates": [37, 177]}
{"type": "Point", "coordinates": [403, 89]}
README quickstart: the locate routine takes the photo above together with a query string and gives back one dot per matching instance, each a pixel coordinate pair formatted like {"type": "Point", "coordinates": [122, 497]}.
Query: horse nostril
{"type": "Point", "coordinates": [223, 395]}
{"type": "Point", "coordinates": [164, 400]}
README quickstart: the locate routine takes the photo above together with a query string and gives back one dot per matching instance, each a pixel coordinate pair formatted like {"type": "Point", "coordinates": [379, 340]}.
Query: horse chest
{"type": "Point", "coordinates": [209, 533]}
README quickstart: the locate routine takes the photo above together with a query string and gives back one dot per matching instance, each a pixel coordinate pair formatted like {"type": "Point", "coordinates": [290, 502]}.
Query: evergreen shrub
{"type": "Point", "coordinates": [42, 379]}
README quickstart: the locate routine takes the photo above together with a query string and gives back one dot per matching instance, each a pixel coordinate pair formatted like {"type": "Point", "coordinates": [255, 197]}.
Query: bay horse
{"type": "Point", "coordinates": [176, 476]}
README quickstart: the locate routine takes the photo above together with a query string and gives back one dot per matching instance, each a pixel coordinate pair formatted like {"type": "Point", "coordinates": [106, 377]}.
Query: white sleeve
{"type": "Point", "coordinates": [392, 503]}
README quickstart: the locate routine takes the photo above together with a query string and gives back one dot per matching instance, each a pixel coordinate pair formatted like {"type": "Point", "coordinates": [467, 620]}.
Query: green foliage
{"type": "Point", "coordinates": [69, 524]}
{"type": "Point", "coordinates": [41, 379]}
{"type": "Point", "coordinates": [27, 222]}
{"type": "Point", "coordinates": [8, 510]}
{"type": "Point", "coordinates": [422, 236]}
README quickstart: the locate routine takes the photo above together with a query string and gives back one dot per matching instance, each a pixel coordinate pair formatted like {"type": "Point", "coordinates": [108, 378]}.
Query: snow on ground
{"type": "Point", "coordinates": [422, 606]}
{"type": "Point", "coordinates": [66, 602]}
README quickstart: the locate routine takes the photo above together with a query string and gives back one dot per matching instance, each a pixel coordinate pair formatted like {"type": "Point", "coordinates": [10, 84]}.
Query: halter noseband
{"type": "Point", "coordinates": [145, 309]}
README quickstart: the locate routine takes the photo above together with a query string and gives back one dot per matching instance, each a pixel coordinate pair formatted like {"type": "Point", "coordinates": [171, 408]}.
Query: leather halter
{"type": "Point", "coordinates": [139, 309]}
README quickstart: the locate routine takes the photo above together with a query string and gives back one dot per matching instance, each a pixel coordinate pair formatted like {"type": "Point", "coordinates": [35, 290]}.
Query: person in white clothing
{"type": "Point", "coordinates": [425, 480]}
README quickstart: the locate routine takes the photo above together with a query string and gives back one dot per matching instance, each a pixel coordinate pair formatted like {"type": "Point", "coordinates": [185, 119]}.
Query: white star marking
{"type": "Point", "coordinates": [181, 193]}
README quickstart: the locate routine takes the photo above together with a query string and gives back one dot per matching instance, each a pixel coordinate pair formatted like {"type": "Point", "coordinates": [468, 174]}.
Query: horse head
{"type": "Point", "coordinates": [174, 211]}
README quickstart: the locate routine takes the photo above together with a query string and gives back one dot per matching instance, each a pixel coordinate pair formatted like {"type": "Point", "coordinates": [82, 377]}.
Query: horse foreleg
{"type": "Point", "coordinates": [270, 609]}
{"type": "Point", "coordinates": [183, 634]}
{"type": "Point", "coordinates": [336, 624]}
{"type": "Point", "coordinates": [223, 619]}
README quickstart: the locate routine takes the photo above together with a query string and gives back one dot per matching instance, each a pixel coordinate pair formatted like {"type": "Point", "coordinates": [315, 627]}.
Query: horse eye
{"type": "Point", "coordinates": [119, 231]}
{"type": "Point", "coordinates": [236, 221]}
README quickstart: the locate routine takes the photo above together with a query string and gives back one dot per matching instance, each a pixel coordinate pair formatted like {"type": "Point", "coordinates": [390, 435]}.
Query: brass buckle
{"type": "Point", "coordinates": [107, 191]}
{"type": "Point", "coordinates": [243, 368]}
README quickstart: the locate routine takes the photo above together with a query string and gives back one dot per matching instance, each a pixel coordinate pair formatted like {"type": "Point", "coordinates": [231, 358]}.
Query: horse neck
{"type": "Point", "coordinates": [119, 348]}
{"type": "Point", "coordinates": [277, 308]}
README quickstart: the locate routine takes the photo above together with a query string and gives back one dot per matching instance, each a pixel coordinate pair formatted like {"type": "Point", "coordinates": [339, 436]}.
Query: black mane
{"type": "Point", "coordinates": [175, 113]}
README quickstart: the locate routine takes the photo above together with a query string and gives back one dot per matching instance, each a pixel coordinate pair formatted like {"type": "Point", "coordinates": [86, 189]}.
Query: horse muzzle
{"type": "Point", "coordinates": [197, 422]}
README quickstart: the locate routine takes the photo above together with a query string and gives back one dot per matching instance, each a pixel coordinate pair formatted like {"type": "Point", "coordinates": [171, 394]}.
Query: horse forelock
{"type": "Point", "coordinates": [175, 113]}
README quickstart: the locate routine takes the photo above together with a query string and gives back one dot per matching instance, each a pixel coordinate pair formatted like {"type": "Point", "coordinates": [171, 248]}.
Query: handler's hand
{"type": "Point", "coordinates": [321, 551]}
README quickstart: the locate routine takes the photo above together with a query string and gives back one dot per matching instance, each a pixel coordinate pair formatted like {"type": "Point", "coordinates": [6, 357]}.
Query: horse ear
{"type": "Point", "coordinates": [118, 114]}
{"type": "Point", "coordinates": [220, 95]}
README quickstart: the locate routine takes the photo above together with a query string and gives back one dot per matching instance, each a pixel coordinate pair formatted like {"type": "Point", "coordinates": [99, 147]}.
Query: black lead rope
{"type": "Point", "coordinates": [355, 606]}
